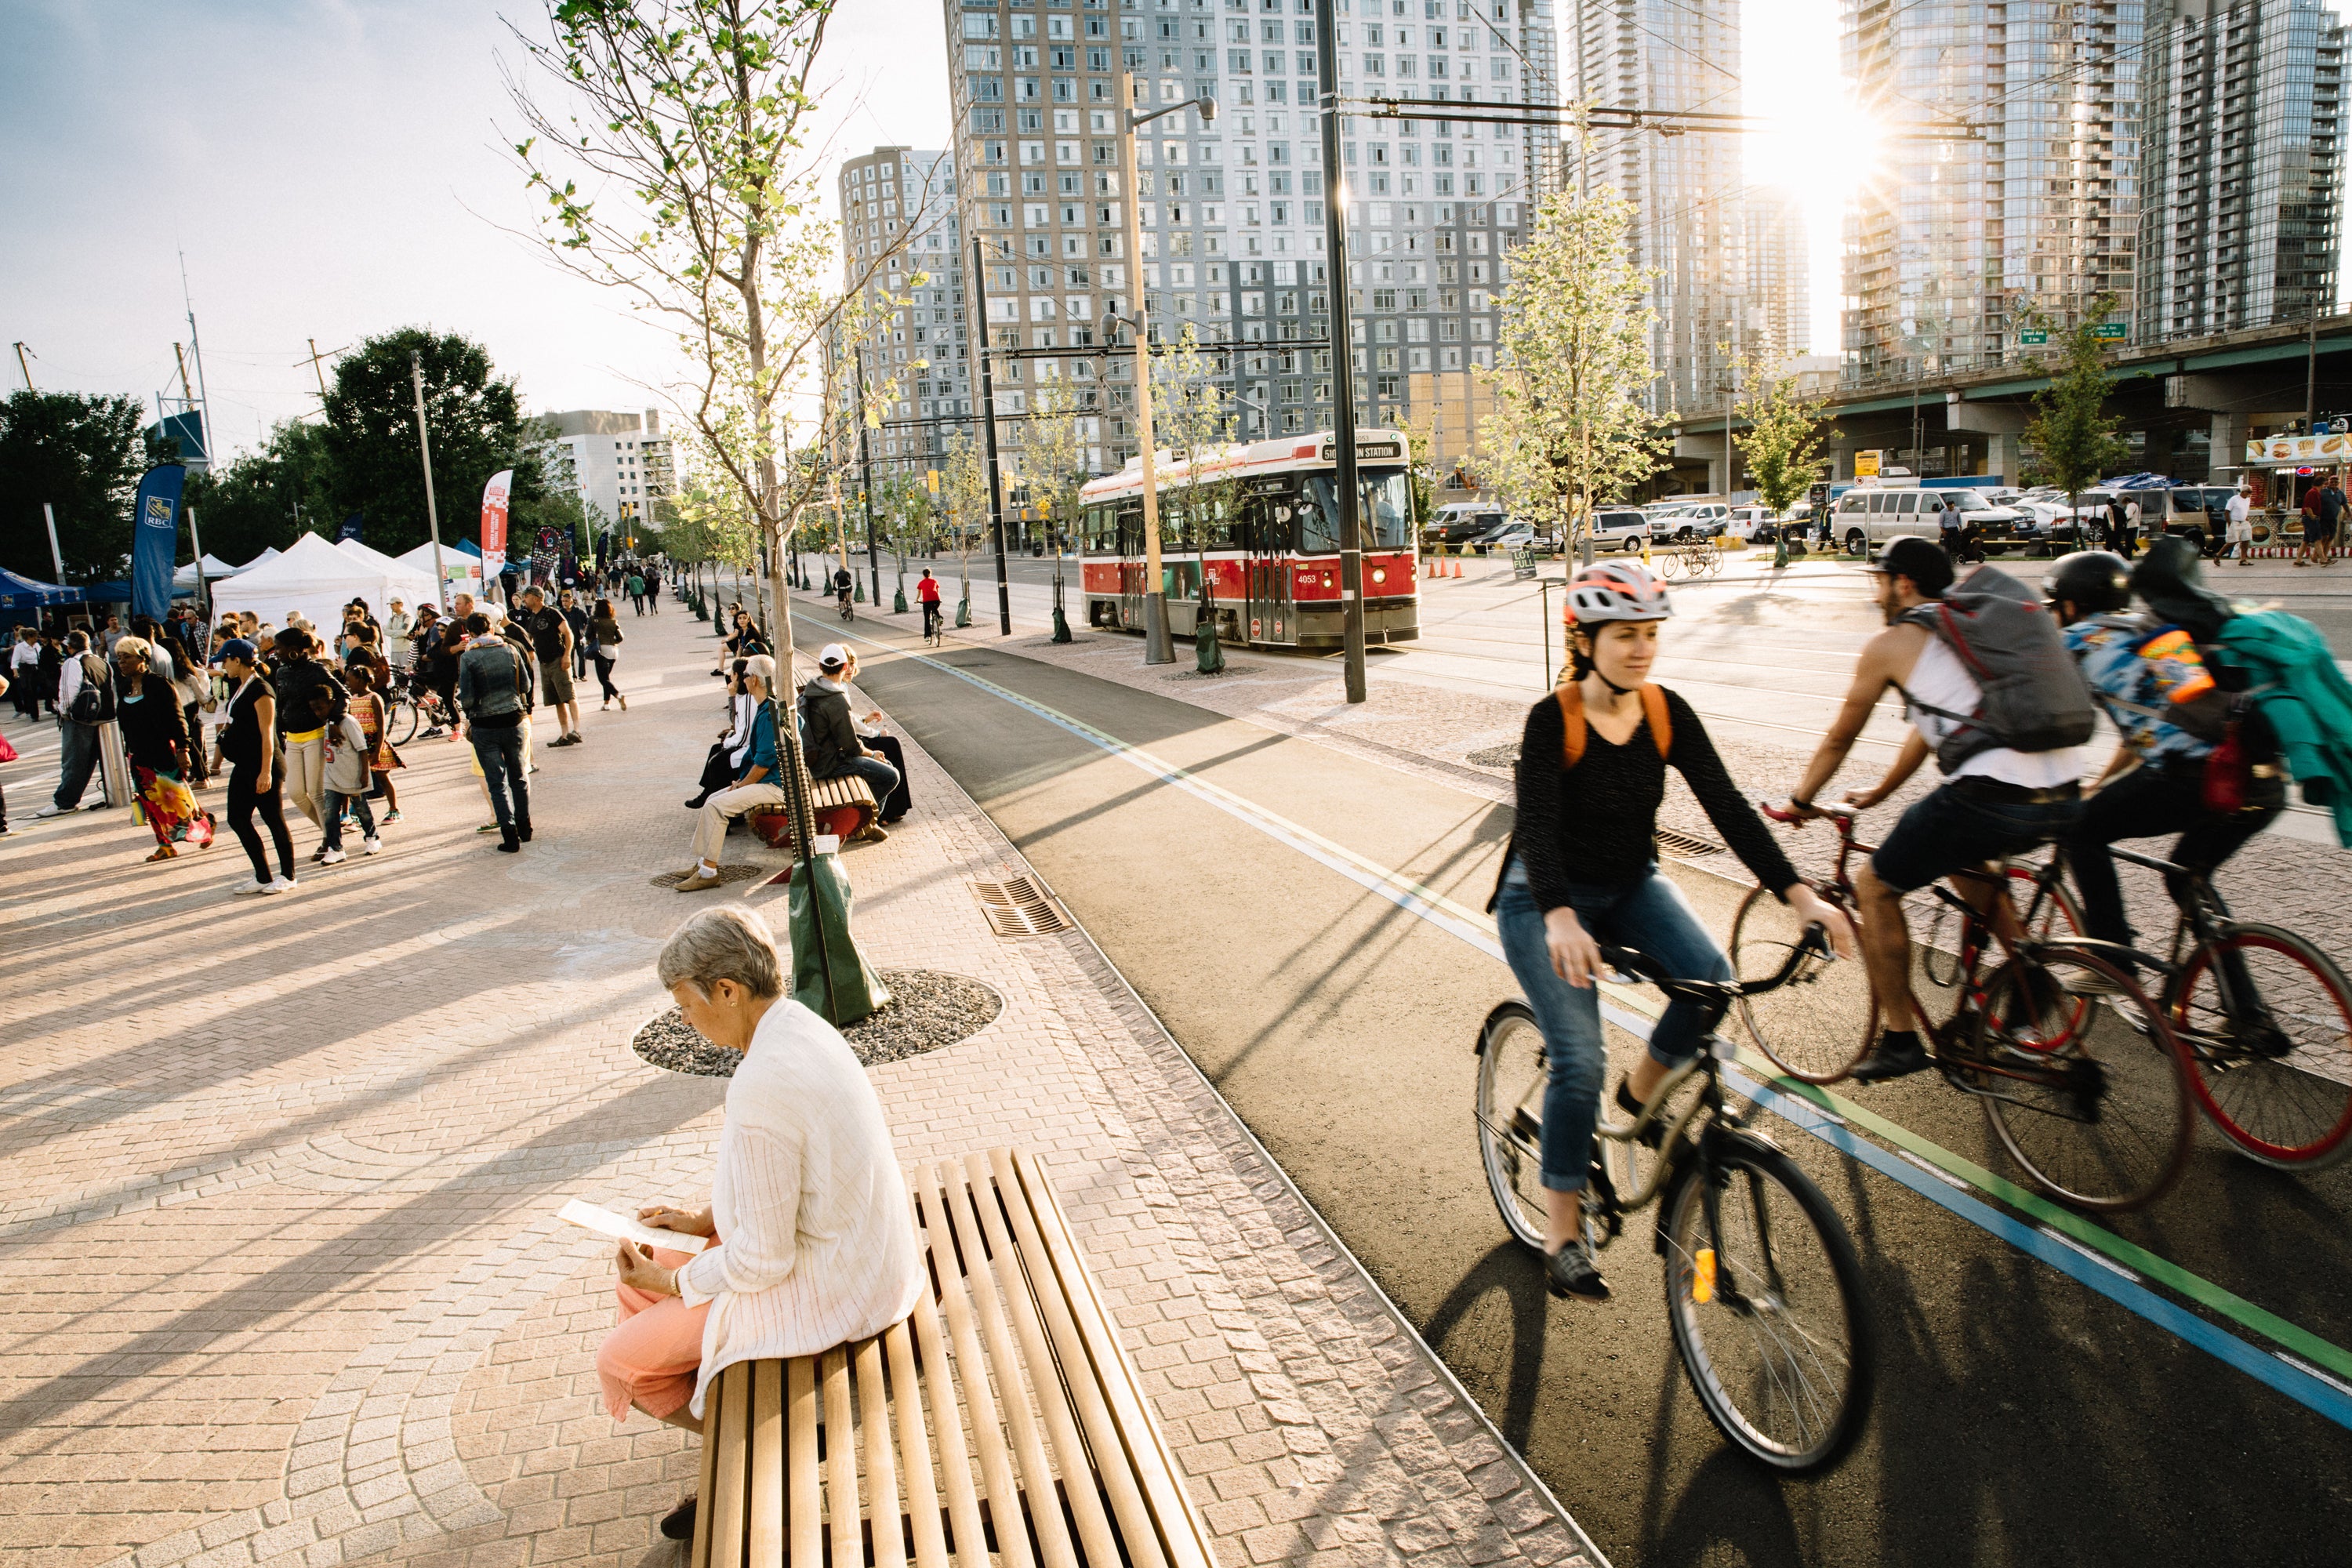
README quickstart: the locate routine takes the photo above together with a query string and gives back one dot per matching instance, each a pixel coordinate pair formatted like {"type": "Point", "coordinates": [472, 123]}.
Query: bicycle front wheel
{"type": "Point", "coordinates": [1764, 1295]}
{"type": "Point", "coordinates": [401, 726]}
{"type": "Point", "coordinates": [1512, 1075]}
{"type": "Point", "coordinates": [2082, 1080]}
{"type": "Point", "coordinates": [1820, 1023]}
{"type": "Point", "coordinates": [2267, 1021]}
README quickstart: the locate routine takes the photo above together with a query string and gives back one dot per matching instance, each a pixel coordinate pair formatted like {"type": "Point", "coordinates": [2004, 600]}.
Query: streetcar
{"type": "Point", "coordinates": [1259, 528]}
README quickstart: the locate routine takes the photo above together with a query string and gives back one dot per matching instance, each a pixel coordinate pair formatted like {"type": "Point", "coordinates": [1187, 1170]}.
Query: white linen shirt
{"type": "Point", "coordinates": [817, 1238]}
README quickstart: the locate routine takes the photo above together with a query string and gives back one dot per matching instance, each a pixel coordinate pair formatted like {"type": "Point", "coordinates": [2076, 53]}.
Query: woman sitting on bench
{"type": "Point", "coordinates": [815, 1243]}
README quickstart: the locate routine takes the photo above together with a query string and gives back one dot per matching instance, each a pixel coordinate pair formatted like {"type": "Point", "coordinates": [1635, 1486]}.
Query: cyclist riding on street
{"type": "Point", "coordinates": [844, 585]}
{"type": "Point", "coordinates": [1582, 869]}
{"type": "Point", "coordinates": [1994, 803]}
{"type": "Point", "coordinates": [2156, 685]}
{"type": "Point", "coordinates": [927, 590]}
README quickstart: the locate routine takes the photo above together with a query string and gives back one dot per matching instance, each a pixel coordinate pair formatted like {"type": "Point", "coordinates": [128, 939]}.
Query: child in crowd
{"type": "Point", "coordinates": [347, 773]}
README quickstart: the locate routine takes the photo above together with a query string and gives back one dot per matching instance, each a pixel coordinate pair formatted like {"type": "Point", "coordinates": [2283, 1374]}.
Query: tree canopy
{"type": "Point", "coordinates": [83, 455]}
{"type": "Point", "coordinates": [475, 419]}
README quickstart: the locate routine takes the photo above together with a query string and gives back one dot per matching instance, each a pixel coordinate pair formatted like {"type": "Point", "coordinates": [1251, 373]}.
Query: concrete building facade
{"type": "Point", "coordinates": [900, 223]}
{"type": "Point", "coordinates": [618, 464]}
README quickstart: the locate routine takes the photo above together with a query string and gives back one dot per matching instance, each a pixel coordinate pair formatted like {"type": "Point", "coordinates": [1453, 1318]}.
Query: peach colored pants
{"type": "Point", "coordinates": [650, 1359]}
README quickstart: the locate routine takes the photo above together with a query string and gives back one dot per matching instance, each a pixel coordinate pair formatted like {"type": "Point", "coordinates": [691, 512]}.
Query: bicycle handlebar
{"type": "Point", "coordinates": [1837, 811]}
{"type": "Point", "coordinates": [1815, 944]}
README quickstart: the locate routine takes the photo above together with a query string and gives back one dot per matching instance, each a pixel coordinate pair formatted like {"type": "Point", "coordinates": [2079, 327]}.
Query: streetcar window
{"type": "Point", "coordinates": [1102, 533]}
{"type": "Point", "coordinates": [1385, 513]}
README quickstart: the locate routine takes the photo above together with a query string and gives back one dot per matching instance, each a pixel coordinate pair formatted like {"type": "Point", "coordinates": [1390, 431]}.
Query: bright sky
{"type": "Point", "coordinates": [333, 170]}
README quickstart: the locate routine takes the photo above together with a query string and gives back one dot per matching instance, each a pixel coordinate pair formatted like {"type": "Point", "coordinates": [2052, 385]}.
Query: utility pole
{"type": "Point", "coordinates": [2310, 374]}
{"type": "Point", "coordinates": [196, 347]}
{"type": "Point", "coordinates": [23, 366]}
{"type": "Point", "coordinates": [988, 423]}
{"type": "Point", "coordinates": [314, 362]}
{"type": "Point", "coordinates": [866, 479]}
{"type": "Point", "coordinates": [425, 450]}
{"type": "Point", "coordinates": [57, 562]}
{"type": "Point", "coordinates": [1343, 369]}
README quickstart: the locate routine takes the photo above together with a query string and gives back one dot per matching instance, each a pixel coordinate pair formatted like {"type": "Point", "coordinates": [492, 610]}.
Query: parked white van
{"type": "Point", "coordinates": [1870, 516]}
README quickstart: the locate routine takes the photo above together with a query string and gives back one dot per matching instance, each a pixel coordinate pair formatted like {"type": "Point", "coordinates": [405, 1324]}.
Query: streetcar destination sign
{"type": "Point", "coordinates": [1366, 449]}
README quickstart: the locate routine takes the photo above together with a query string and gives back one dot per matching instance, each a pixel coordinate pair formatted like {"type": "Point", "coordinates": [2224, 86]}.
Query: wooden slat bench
{"type": "Point", "coordinates": [1003, 1419]}
{"type": "Point", "coordinates": [844, 807]}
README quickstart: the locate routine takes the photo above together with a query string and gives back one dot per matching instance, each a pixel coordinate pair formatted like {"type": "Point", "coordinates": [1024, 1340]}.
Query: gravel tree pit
{"type": "Point", "coordinates": [927, 1009]}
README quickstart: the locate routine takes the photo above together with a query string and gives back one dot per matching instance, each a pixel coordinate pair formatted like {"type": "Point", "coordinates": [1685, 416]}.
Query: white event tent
{"type": "Point", "coordinates": [215, 568]}
{"type": "Point", "coordinates": [464, 571]}
{"type": "Point", "coordinates": [318, 579]}
{"type": "Point", "coordinates": [403, 581]}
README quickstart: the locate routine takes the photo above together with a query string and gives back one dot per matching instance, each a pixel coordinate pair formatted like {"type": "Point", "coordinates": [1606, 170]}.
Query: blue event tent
{"type": "Point", "coordinates": [23, 593]}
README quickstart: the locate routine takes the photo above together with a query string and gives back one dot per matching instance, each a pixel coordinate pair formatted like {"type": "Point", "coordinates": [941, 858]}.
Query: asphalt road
{"type": "Point", "coordinates": [2022, 1418]}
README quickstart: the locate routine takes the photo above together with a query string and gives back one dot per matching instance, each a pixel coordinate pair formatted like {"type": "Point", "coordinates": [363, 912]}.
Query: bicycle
{"type": "Point", "coordinates": [2265, 1019]}
{"type": "Point", "coordinates": [408, 710]}
{"type": "Point", "coordinates": [842, 603]}
{"type": "Point", "coordinates": [2098, 1116]}
{"type": "Point", "coordinates": [934, 623]}
{"type": "Point", "coordinates": [1764, 1293]}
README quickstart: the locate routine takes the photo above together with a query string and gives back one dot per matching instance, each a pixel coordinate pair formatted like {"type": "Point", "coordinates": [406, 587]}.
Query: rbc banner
{"type": "Point", "coordinates": [351, 526]}
{"type": "Point", "coordinates": [494, 523]}
{"type": "Point", "coordinates": [155, 539]}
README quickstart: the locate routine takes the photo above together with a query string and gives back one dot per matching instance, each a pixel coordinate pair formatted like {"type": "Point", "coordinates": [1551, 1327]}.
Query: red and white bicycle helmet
{"type": "Point", "coordinates": [1617, 591]}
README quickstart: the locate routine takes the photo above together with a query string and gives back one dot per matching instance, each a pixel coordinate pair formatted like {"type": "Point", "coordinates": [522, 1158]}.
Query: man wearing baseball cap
{"type": "Point", "coordinates": [755, 781]}
{"type": "Point", "coordinates": [835, 750]}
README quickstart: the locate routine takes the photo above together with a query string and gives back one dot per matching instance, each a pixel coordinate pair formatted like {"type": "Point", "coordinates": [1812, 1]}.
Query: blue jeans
{"type": "Point", "coordinates": [1650, 916]}
{"type": "Point", "coordinates": [879, 776]}
{"type": "Point", "coordinates": [337, 800]}
{"type": "Point", "coordinates": [77, 759]}
{"type": "Point", "coordinates": [1953, 830]}
{"type": "Point", "coordinates": [501, 754]}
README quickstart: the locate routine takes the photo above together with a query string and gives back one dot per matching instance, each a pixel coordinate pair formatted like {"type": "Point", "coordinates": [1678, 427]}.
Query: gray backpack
{"type": "Point", "coordinates": [2033, 697]}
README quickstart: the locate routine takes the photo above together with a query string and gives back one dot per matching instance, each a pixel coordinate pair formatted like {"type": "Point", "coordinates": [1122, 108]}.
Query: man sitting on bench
{"type": "Point", "coordinates": [815, 1246]}
{"type": "Point", "coordinates": [835, 750]}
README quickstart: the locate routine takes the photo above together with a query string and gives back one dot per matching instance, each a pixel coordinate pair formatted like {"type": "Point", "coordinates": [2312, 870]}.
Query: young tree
{"type": "Point", "coordinates": [963, 494]}
{"type": "Point", "coordinates": [1782, 444]}
{"type": "Point", "coordinates": [2074, 441]}
{"type": "Point", "coordinates": [1568, 429]}
{"type": "Point", "coordinates": [1193, 417]}
{"type": "Point", "coordinates": [672, 155]}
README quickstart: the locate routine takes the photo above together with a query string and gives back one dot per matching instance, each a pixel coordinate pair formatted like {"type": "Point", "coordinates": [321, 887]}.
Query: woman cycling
{"type": "Point", "coordinates": [1581, 870]}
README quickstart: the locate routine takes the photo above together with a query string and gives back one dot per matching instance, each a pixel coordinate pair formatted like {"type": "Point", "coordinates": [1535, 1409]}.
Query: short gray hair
{"type": "Point", "coordinates": [726, 941]}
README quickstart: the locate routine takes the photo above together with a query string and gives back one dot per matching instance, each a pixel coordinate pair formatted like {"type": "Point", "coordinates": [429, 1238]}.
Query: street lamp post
{"type": "Point", "coordinates": [865, 481]}
{"type": "Point", "coordinates": [1343, 368]}
{"type": "Point", "coordinates": [988, 423]}
{"type": "Point", "coordinates": [1157, 649]}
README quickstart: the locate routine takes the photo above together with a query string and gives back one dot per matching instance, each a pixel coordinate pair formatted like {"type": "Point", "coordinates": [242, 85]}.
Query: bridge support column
{"type": "Point", "coordinates": [2001, 458]}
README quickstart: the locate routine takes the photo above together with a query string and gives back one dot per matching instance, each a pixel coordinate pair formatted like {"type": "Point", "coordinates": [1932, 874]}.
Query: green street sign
{"type": "Point", "coordinates": [2110, 330]}
{"type": "Point", "coordinates": [2034, 339]}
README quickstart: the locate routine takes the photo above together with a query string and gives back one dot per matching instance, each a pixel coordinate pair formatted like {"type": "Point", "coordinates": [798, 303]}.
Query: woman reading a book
{"type": "Point", "coordinates": [813, 1244]}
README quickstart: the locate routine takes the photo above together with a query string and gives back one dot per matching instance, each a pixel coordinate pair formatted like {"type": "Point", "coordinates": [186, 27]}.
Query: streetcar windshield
{"type": "Point", "coordinates": [1386, 511]}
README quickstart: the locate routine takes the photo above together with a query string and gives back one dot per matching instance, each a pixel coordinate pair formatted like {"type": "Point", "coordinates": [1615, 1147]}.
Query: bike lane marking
{"type": "Point", "coordinates": [2307, 1369]}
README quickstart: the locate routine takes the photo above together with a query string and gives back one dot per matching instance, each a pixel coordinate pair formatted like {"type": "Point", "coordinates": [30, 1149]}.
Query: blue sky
{"type": "Point", "coordinates": [332, 170]}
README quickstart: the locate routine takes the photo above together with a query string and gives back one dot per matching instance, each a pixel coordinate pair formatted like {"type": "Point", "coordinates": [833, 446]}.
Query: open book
{"type": "Point", "coordinates": [604, 1222]}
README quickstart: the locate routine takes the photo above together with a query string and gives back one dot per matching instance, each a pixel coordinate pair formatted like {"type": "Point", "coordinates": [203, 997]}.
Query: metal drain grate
{"type": "Point", "coordinates": [1020, 908]}
{"type": "Point", "coordinates": [1686, 844]}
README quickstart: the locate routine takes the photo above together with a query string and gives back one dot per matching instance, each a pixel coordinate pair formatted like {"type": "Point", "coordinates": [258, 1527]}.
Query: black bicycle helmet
{"type": "Point", "coordinates": [1921, 560]}
{"type": "Point", "coordinates": [2094, 581]}
{"type": "Point", "coordinates": [2170, 580]}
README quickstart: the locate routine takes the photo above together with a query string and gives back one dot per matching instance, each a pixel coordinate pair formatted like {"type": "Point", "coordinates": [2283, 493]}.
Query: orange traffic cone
{"type": "Point", "coordinates": [1457, 566]}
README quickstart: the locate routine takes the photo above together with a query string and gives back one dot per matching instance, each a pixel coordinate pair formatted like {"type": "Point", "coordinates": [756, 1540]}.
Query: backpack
{"type": "Point", "coordinates": [2292, 681]}
{"type": "Point", "coordinates": [2031, 695]}
{"type": "Point", "coordinates": [1571, 697]}
{"type": "Point", "coordinates": [94, 703]}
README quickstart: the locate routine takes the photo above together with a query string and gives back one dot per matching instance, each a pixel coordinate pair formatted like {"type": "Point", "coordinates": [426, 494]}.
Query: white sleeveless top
{"type": "Point", "coordinates": [1941, 680]}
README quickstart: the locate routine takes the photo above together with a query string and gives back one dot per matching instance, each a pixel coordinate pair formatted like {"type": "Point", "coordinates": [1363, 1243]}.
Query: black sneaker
{"type": "Point", "coordinates": [523, 830]}
{"type": "Point", "coordinates": [677, 1524]}
{"type": "Point", "coordinates": [1886, 1061]}
{"type": "Point", "coordinates": [1655, 1131]}
{"type": "Point", "coordinates": [1569, 1272]}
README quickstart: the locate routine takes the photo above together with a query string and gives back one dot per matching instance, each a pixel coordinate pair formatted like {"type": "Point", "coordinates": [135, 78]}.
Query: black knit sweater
{"type": "Point", "coordinates": [154, 730]}
{"type": "Point", "coordinates": [1593, 823]}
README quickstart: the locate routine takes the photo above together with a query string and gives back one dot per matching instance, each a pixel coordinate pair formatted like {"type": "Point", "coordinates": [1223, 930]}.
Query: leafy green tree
{"type": "Point", "coordinates": [1568, 429]}
{"type": "Point", "coordinates": [1782, 444]}
{"type": "Point", "coordinates": [263, 499]}
{"type": "Point", "coordinates": [2074, 439]}
{"type": "Point", "coordinates": [473, 416]}
{"type": "Point", "coordinates": [83, 455]}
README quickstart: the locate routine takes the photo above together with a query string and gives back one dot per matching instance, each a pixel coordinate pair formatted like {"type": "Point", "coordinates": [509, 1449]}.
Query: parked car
{"type": "Point", "coordinates": [1509, 536]}
{"type": "Point", "coordinates": [1868, 518]}
{"type": "Point", "coordinates": [1688, 520]}
{"type": "Point", "coordinates": [1621, 528]}
{"type": "Point", "coordinates": [1752, 524]}
{"type": "Point", "coordinates": [1457, 522]}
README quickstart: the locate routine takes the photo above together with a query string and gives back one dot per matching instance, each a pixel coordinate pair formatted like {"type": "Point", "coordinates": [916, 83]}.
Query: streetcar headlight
{"type": "Point", "coordinates": [1379, 573]}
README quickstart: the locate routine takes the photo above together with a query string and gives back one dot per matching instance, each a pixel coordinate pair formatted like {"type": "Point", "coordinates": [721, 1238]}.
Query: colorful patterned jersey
{"type": "Point", "coordinates": [2139, 672]}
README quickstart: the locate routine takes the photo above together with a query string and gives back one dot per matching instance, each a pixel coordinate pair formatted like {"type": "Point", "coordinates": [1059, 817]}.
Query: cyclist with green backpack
{"type": "Point", "coordinates": [1990, 689]}
{"type": "Point", "coordinates": [1582, 869]}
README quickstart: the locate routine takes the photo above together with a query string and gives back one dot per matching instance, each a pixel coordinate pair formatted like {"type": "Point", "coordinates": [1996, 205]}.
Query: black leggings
{"type": "Point", "coordinates": [244, 800]}
{"type": "Point", "coordinates": [604, 676]}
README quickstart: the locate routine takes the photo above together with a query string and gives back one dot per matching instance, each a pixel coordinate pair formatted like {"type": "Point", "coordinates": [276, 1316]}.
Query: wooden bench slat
{"type": "Point", "coordinates": [699, 1553]}
{"type": "Point", "coordinates": [1114, 1465]}
{"type": "Point", "coordinates": [881, 1468]}
{"type": "Point", "coordinates": [915, 1450]}
{"type": "Point", "coordinates": [1046, 1522]}
{"type": "Point", "coordinates": [972, 1379]}
{"type": "Point", "coordinates": [1183, 1533]}
{"type": "Point", "coordinates": [765, 1537]}
{"type": "Point", "coordinates": [840, 1460]}
{"type": "Point", "coordinates": [734, 1397]}
{"type": "Point", "coordinates": [806, 1515]}
{"type": "Point", "coordinates": [1014, 1287]}
{"type": "Point", "coordinates": [955, 1457]}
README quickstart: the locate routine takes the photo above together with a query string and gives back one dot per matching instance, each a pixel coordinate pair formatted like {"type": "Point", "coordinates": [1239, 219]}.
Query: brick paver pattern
{"type": "Point", "coordinates": [287, 1284]}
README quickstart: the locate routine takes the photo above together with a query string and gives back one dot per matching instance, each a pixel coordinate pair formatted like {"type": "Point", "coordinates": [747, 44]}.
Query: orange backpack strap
{"type": "Point", "coordinates": [1571, 698]}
